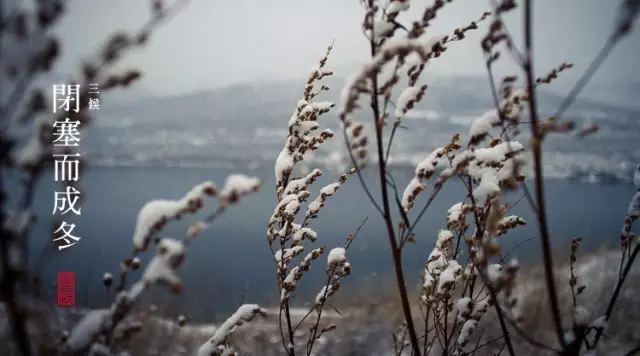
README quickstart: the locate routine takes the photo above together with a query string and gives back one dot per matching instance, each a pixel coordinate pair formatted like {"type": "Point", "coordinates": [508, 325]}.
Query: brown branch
{"type": "Point", "coordinates": [396, 253]}
{"type": "Point", "coordinates": [494, 297]}
{"type": "Point", "coordinates": [537, 159]}
{"type": "Point", "coordinates": [312, 338]}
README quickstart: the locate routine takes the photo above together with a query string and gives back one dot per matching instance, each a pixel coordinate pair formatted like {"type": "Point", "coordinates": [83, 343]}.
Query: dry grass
{"type": "Point", "coordinates": [371, 315]}
{"type": "Point", "coordinates": [527, 306]}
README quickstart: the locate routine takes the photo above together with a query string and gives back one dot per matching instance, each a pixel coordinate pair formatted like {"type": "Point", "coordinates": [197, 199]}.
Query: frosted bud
{"type": "Point", "coordinates": [107, 279]}
{"type": "Point", "coordinates": [135, 263]}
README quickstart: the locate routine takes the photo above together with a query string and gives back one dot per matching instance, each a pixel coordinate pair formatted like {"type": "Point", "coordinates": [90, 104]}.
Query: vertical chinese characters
{"type": "Point", "coordinates": [66, 137]}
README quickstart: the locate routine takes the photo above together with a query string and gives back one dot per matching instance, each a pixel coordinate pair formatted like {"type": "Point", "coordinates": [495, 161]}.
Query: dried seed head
{"type": "Point", "coordinates": [135, 263]}
{"type": "Point", "coordinates": [107, 279]}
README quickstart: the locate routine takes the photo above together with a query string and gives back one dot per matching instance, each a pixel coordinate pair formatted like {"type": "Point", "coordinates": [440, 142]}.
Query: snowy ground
{"type": "Point", "coordinates": [367, 329]}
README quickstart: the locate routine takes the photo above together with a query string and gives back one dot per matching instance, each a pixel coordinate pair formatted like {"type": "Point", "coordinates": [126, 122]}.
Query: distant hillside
{"type": "Point", "coordinates": [245, 126]}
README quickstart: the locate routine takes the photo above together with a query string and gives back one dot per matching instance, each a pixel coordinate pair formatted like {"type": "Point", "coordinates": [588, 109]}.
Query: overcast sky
{"type": "Point", "coordinates": [214, 43]}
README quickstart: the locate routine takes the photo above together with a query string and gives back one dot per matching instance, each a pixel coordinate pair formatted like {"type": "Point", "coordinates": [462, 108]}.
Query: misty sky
{"type": "Point", "coordinates": [213, 43]}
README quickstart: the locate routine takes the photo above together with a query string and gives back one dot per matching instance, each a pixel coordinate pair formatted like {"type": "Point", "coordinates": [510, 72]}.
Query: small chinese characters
{"type": "Point", "coordinates": [94, 100]}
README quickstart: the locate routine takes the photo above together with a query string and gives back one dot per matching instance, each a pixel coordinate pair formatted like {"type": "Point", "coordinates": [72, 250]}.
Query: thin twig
{"type": "Point", "coordinates": [616, 292]}
{"type": "Point", "coordinates": [478, 347]}
{"type": "Point", "coordinates": [482, 271]}
{"type": "Point", "coordinates": [537, 158]}
{"type": "Point", "coordinates": [312, 338]}
{"type": "Point", "coordinates": [347, 245]}
{"type": "Point", "coordinates": [382, 168]}
{"type": "Point", "coordinates": [364, 185]}
{"type": "Point", "coordinates": [586, 76]}
{"type": "Point", "coordinates": [504, 257]}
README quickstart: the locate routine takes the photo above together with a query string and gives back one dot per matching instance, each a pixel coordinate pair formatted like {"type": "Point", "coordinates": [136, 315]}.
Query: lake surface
{"type": "Point", "coordinates": [232, 258]}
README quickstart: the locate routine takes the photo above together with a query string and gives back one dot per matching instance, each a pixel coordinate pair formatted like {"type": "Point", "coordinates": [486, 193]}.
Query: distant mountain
{"type": "Point", "coordinates": [124, 96]}
{"type": "Point", "coordinates": [246, 125]}
{"type": "Point", "coordinates": [457, 95]}
{"type": "Point", "coordinates": [624, 94]}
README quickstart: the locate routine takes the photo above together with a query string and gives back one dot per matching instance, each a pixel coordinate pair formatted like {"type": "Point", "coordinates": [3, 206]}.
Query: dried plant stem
{"type": "Point", "coordinates": [479, 346]}
{"type": "Point", "coordinates": [426, 330]}
{"type": "Point", "coordinates": [539, 184]}
{"type": "Point", "coordinates": [282, 336]}
{"type": "Point", "coordinates": [503, 259]}
{"type": "Point", "coordinates": [287, 313]}
{"type": "Point", "coordinates": [424, 209]}
{"type": "Point", "coordinates": [396, 252]}
{"type": "Point", "coordinates": [290, 349]}
{"type": "Point", "coordinates": [586, 76]}
{"type": "Point", "coordinates": [616, 292]}
{"type": "Point", "coordinates": [485, 279]}
{"type": "Point", "coordinates": [496, 103]}
{"type": "Point", "coordinates": [367, 191]}
{"type": "Point", "coordinates": [313, 336]}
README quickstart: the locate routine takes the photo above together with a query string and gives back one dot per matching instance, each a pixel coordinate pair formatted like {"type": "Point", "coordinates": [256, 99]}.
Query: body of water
{"type": "Point", "coordinates": [232, 260]}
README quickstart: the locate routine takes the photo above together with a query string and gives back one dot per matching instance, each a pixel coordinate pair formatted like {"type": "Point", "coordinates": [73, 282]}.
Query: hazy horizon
{"type": "Point", "coordinates": [212, 44]}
